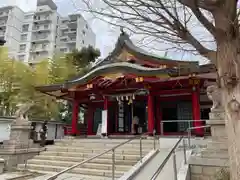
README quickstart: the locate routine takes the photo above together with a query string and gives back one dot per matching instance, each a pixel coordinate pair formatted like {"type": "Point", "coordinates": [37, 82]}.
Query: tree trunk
{"type": "Point", "coordinates": [227, 64]}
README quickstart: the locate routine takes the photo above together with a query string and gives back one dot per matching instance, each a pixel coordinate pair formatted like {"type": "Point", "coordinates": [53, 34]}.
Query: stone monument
{"type": "Point", "coordinates": [19, 147]}
{"type": "Point", "coordinates": [215, 157]}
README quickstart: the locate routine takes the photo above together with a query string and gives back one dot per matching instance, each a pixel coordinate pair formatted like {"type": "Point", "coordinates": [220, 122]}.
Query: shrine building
{"type": "Point", "coordinates": [132, 82]}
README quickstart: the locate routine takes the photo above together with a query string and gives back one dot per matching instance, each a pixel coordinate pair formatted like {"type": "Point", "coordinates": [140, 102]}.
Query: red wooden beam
{"type": "Point", "coordinates": [170, 92]}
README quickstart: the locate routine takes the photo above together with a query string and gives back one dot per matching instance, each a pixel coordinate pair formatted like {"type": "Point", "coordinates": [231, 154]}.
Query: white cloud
{"type": "Point", "coordinates": [25, 5]}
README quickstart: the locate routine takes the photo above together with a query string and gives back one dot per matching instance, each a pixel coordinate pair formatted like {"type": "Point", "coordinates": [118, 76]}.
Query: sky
{"type": "Point", "coordinates": [106, 35]}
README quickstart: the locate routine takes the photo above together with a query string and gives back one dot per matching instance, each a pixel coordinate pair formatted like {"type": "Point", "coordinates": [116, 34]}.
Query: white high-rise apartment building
{"type": "Point", "coordinates": [75, 33]}
{"type": "Point", "coordinates": [11, 19]}
{"type": "Point", "coordinates": [33, 36]}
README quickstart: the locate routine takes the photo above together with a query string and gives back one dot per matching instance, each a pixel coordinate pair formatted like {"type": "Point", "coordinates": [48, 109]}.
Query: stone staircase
{"type": "Point", "coordinates": [68, 152]}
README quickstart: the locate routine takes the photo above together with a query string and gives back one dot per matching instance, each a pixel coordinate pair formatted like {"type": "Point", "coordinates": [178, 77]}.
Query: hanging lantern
{"type": "Point", "coordinates": [133, 96]}
{"type": "Point", "coordinates": [117, 98]}
{"type": "Point", "coordinates": [92, 96]}
{"type": "Point", "coordinates": [127, 98]}
{"type": "Point", "coordinates": [130, 101]}
{"type": "Point", "coordinates": [122, 98]}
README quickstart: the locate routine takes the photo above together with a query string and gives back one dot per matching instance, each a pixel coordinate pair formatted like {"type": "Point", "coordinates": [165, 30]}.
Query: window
{"type": "Point", "coordinates": [63, 49]}
{"type": "Point", "coordinates": [84, 33]}
{"type": "Point", "coordinates": [86, 26]}
{"type": "Point", "coordinates": [21, 57]}
{"type": "Point", "coordinates": [25, 27]}
{"type": "Point", "coordinates": [83, 41]}
{"type": "Point", "coordinates": [24, 37]}
{"type": "Point", "coordinates": [22, 47]}
{"type": "Point", "coordinates": [44, 46]}
{"type": "Point", "coordinates": [46, 26]}
{"type": "Point", "coordinates": [36, 27]}
{"type": "Point", "coordinates": [64, 40]}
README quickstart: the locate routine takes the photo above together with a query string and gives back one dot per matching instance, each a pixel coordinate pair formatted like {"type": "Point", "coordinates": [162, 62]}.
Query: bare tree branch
{"type": "Point", "coordinates": [158, 18]}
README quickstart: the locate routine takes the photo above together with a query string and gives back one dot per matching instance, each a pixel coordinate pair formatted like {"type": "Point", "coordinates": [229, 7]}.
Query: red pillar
{"type": "Point", "coordinates": [105, 107]}
{"type": "Point", "coordinates": [75, 117]}
{"type": "Point", "coordinates": [196, 111]}
{"type": "Point", "coordinates": [150, 114]}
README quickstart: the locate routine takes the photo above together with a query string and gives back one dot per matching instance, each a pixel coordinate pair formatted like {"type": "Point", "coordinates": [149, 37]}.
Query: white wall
{"type": "Point", "coordinates": [89, 37]}
{"type": "Point", "coordinates": [51, 134]}
{"type": "Point", "coordinates": [5, 130]}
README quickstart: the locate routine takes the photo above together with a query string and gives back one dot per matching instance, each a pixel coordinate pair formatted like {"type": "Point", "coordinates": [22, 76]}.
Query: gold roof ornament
{"type": "Point", "coordinates": [139, 79]}
{"type": "Point", "coordinates": [89, 86]}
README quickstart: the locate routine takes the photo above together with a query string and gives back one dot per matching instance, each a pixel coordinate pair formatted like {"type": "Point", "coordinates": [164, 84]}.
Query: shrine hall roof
{"type": "Point", "coordinates": [124, 42]}
{"type": "Point", "coordinates": [123, 67]}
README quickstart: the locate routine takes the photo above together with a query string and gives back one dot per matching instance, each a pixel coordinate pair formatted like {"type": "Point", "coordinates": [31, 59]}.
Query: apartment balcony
{"type": "Point", "coordinates": [72, 33]}
{"type": "Point", "coordinates": [4, 14]}
{"type": "Point", "coordinates": [63, 26]}
{"type": "Point", "coordinates": [40, 39]}
{"type": "Point", "coordinates": [22, 51]}
{"type": "Point", "coordinates": [3, 23]}
{"type": "Point", "coordinates": [43, 20]}
{"type": "Point", "coordinates": [41, 29]}
{"type": "Point", "coordinates": [72, 24]}
{"type": "Point", "coordinates": [2, 35]}
{"type": "Point", "coordinates": [38, 49]}
{"type": "Point", "coordinates": [65, 40]}
{"type": "Point", "coordinates": [44, 11]}
{"type": "Point", "coordinates": [71, 41]}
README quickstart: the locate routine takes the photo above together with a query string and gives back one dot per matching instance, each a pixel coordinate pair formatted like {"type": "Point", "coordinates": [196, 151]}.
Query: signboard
{"type": "Point", "coordinates": [104, 122]}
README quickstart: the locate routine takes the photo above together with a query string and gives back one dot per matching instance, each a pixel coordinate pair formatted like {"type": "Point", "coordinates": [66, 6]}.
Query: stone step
{"type": "Point", "coordinates": [86, 165]}
{"type": "Point", "coordinates": [112, 141]}
{"type": "Point", "coordinates": [18, 175]}
{"type": "Point", "coordinates": [79, 159]}
{"type": "Point", "coordinates": [102, 145]}
{"type": "Point", "coordinates": [86, 155]}
{"type": "Point", "coordinates": [96, 150]}
{"type": "Point", "coordinates": [84, 171]}
{"type": "Point", "coordinates": [219, 154]}
{"type": "Point", "coordinates": [217, 145]}
{"type": "Point", "coordinates": [70, 176]}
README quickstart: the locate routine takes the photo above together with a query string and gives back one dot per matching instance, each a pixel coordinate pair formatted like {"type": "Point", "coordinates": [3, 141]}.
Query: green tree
{"type": "Point", "coordinates": [82, 59]}
{"type": "Point", "coordinates": [47, 72]}
{"type": "Point", "coordinates": [14, 77]}
{"type": "Point", "coordinates": [18, 82]}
